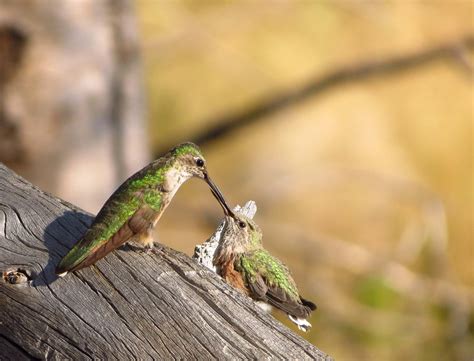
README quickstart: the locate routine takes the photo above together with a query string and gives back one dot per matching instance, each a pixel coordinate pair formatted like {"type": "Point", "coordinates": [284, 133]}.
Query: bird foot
{"type": "Point", "coordinates": [136, 247]}
{"type": "Point", "coordinates": [149, 250]}
{"type": "Point", "coordinates": [152, 249]}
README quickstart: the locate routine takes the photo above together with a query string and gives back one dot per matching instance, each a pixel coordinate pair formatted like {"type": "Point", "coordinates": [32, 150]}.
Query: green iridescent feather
{"type": "Point", "coordinates": [187, 148]}
{"type": "Point", "coordinates": [276, 274]}
{"type": "Point", "coordinates": [118, 209]}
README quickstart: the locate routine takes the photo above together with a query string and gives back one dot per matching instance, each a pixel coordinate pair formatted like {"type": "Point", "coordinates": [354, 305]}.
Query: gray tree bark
{"type": "Point", "coordinates": [130, 305]}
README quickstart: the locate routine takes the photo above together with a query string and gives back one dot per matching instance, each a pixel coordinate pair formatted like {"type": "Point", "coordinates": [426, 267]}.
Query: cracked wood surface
{"type": "Point", "coordinates": [130, 305]}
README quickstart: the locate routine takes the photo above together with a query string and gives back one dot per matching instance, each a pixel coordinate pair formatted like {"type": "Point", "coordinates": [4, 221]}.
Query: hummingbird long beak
{"type": "Point", "coordinates": [220, 198]}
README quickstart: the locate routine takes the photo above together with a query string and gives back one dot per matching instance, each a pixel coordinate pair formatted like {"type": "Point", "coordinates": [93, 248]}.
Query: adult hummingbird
{"type": "Point", "coordinates": [136, 206]}
{"type": "Point", "coordinates": [243, 262]}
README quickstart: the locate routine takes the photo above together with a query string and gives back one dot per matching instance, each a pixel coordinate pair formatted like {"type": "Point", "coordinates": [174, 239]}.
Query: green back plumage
{"type": "Point", "coordinates": [251, 259]}
{"type": "Point", "coordinates": [138, 190]}
{"type": "Point", "coordinates": [260, 262]}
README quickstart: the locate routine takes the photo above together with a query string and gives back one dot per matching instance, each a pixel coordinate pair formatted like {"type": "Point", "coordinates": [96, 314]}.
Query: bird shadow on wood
{"type": "Point", "coordinates": [59, 237]}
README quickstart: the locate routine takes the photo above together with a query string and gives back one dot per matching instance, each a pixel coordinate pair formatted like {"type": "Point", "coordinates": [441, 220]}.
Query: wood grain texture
{"type": "Point", "coordinates": [130, 305]}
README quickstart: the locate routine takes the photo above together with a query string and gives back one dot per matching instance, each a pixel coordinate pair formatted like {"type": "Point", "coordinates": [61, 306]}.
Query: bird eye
{"type": "Point", "coordinates": [199, 162]}
{"type": "Point", "coordinates": [242, 224]}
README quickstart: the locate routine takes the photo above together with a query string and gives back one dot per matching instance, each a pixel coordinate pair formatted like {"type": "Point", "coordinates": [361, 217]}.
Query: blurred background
{"type": "Point", "coordinates": [350, 123]}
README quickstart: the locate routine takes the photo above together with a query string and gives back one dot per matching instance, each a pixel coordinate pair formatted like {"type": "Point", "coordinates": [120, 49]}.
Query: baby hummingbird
{"type": "Point", "coordinates": [243, 262]}
{"type": "Point", "coordinates": [136, 206]}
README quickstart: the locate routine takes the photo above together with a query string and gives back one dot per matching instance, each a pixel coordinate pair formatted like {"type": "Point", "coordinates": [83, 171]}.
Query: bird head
{"type": "Point", "coordinates": [240, 234]}
{"type": "Point", "coordinates": [192, 162]}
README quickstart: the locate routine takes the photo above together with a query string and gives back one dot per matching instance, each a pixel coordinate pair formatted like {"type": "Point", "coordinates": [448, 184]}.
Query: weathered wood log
{"type": "Point", "coordinates": [129, 305]}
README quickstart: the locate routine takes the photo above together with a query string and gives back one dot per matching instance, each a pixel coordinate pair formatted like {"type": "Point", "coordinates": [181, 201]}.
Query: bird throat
{"type": "Point", "coordinates": [174, 178]}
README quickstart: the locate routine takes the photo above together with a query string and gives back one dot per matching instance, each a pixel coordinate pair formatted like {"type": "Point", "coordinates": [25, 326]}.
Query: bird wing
{"type": "Point", "coordinates": [123, 215]}
{"type": "Point", "coordinates": [277, 297]}
{"type": "Point", "coordinates": [270, 281]}
{"type": "Point", "coordinates": [92, 247]}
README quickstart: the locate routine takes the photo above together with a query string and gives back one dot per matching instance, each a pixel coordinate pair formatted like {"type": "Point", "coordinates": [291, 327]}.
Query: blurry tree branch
{"type": "Point", "coordinates": [123, 54]}
{"type": "Point", "coordinates": [453, 50]}
{"type": "Point", "coordinates": [125, 74]}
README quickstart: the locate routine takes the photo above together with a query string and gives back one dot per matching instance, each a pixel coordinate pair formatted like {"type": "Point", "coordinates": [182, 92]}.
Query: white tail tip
{"type": "Point", "coordinates": [302, 324]}
{"type": "Point", "coordinates": [62, 274]}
